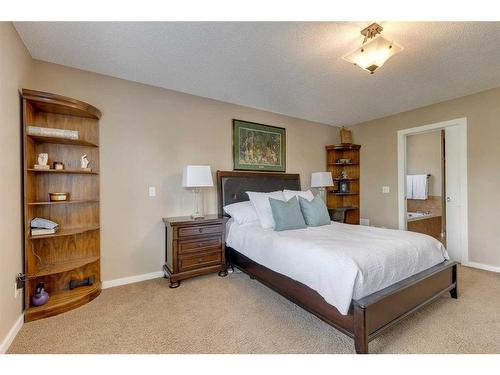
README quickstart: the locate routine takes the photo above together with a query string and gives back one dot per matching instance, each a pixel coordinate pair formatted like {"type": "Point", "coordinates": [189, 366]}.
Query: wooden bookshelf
{"type": "Point", "coordinates": [73, 252]}
{"type": "Point", "coordinates": [345, 202]}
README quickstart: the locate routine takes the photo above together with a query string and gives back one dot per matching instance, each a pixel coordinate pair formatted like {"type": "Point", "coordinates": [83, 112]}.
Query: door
{"type": "Point", "coordinates": [455, 200]}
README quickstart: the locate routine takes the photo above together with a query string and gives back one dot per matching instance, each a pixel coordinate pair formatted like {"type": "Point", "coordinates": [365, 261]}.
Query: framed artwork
{"type": "Point", "coordinates": [258, 147]}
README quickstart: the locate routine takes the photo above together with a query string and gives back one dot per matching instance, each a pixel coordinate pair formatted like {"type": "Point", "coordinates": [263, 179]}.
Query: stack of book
{"type": "Point", "coordinates": [42, 227]}
{"type": "Point", "coordinates": [52, 132]}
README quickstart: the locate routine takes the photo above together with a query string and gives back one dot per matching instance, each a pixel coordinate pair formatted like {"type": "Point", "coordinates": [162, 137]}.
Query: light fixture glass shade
{"type": "Point", "coordinates": [373, 54]}
{"type": "Point", "coordinates": [197, 176]}
{"type": "Point", "coordinates": [321, 179]}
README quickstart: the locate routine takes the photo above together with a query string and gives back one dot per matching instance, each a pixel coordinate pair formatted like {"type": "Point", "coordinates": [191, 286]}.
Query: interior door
{"type": "Point", "coordinates": [455, 172]}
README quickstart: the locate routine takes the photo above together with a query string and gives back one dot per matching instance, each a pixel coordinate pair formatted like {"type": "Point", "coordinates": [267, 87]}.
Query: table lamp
{"type": "Point", "coordinates": [196, 177]}
{"type": "Point", "coordinates": [321, 180]}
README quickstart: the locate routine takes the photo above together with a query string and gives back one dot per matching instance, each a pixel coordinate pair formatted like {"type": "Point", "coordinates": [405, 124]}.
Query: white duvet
{"type": "Point", "coordinates": [341, 262]}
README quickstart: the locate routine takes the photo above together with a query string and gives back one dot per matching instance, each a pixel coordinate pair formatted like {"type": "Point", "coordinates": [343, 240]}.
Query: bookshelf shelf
{"type": "Point", "coordinates": [59, 171]}
{"type": "Point", "coordinates": [60, 267]}
{"type": "Point", "coordinates": [46, 203]}
{"type": "Point", "coordinates": [63, 300]}
{"type": "Point", "coordinates": [66, 232]}
{"type": "Point", "coordinates": [62, 141]}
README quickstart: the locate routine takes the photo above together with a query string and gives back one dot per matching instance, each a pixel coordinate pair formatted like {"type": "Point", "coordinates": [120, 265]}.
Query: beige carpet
{"type": "Point", "coordinates": [237, 315]}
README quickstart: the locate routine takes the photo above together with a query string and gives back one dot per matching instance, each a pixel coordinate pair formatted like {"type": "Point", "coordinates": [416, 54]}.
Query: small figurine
{"type": "Point", "coordinates": [344, 175]}
{"type": "Point", "coordinates": [43, 159]}
{"type": "Point", "coordinates": [84, 162]}
{"type": "Point", "coordinates": [58, 165]}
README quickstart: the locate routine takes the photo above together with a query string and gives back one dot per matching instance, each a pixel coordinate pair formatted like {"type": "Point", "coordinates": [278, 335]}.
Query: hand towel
{"type": "Point", "coordinates": [420, 186]}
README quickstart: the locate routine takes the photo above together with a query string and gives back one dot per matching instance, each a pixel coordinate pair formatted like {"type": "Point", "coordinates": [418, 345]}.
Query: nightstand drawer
{"type": "Point", "coordinates": [201, 229]}
{"type": "Point", "coordinates": [199, 260]}
{"type": "Point", "coordinates": [200, 245]}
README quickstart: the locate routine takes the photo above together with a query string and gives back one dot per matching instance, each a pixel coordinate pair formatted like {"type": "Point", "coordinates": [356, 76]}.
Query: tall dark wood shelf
{"type": "Point", "coordinates": [347, 203]}
{"type": "Point", "coordinates": [73, 252]}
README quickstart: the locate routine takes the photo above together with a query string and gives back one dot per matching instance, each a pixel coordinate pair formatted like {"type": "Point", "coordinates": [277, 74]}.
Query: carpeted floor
{"type": "Point", "coordinates": [237, 315]}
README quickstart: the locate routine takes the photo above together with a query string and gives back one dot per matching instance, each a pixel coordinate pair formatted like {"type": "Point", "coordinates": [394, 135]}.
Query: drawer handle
{"type": "Point", "coordinates": [200, 259]}
{"type": "Point", "coordinates": [200, 230]}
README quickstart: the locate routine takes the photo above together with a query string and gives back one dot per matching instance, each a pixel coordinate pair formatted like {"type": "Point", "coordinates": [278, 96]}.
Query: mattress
{"type": "Point", "coordinates": [341, 262]}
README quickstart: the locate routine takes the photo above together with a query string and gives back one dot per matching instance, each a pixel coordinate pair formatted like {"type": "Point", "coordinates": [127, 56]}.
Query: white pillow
{"type": "Point", "coordinates": [260, 201]}
{"type": "Point", "coordinates": [241, 212]}
{"type": "Point", "coordinates": [289, 194]}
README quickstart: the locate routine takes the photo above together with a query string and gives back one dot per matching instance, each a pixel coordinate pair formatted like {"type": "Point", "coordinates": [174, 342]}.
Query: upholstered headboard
{"type": "Point", "coordinates": [232, 185]}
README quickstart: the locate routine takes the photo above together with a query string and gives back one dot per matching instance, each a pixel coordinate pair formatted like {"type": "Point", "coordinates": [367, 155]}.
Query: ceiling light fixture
{"type": "Point", "coordinates": [374, 51]}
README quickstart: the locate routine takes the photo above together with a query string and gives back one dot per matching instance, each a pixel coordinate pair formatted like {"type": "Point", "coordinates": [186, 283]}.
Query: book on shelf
{"type": "Point", "coordinates": [52, 132]}
{"type": "Point", "coordinates": [42, 231]}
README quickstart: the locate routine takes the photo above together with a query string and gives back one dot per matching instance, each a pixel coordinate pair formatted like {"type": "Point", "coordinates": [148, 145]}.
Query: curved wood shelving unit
{"type": "Point", "coordinates": [72, 253]}
{"type": "Point", "coordinates": [345, 204]}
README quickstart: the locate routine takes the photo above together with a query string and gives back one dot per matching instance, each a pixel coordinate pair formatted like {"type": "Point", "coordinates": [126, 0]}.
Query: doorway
{"type": "Point", "coordinates": [453, 180]}
{"type": "Point", "coordinates": [425, 186]}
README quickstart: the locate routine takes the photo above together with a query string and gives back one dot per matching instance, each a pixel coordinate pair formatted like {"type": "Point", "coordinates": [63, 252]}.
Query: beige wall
{"type": "Point", "coordinates": [423, 156]}
{"type": "Point", "coordinates": [14, 66]}
{"type": "Point", "coordinates": [379, 166]}
{"type": "Point", "coordinates": [147, 136]}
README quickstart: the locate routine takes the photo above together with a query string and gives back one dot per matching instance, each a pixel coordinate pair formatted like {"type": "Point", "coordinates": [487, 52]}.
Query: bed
{"type": "Point", "coordinates": [392, 290]}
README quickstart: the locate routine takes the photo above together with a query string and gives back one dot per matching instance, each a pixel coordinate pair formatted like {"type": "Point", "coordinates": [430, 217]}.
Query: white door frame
{"type": "Point", "coordinates": [402, 134]}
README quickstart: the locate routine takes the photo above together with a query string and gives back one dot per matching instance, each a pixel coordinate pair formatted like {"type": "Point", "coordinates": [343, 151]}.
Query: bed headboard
{"type": "Point", "coordinates": [232, 185]}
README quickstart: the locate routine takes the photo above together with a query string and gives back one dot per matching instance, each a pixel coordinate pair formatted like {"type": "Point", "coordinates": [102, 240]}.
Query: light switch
{"type": "Point", "coordinates": [386, 189]}
{"type": "Point", "coordinates": [152, 191]}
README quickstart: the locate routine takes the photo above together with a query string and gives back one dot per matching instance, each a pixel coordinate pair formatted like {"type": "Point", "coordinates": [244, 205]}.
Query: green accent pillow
{"type": "Point", "coordinates": [315, 212]}
{"type": "Point", "coordinates": [287, 215]}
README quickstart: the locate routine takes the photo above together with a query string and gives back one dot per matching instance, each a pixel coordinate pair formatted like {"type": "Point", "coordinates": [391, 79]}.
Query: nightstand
{"type": "Point", "coordinates": [194, 247]}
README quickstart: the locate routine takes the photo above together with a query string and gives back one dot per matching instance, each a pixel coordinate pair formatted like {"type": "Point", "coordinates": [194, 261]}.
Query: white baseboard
{"type": "Point", "coordinates": [4, 346]}
{"type": "Point", "coordinates": [481, 266]}
{"type": "Point", "coordinates": [131, 279]}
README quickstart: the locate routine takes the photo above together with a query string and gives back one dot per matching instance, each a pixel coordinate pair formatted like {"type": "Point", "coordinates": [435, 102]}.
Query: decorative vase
{"type": "Point", "coordinates": [40, 297]}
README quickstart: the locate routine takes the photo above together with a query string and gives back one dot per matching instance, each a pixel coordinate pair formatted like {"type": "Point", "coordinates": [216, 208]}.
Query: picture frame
{"type": "Point", "coordinates": [258, 147]}
{"type": "Point", "coordinates": [344, 187]}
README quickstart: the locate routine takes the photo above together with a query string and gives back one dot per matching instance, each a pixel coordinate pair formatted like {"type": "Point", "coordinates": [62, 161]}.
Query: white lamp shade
{"type": "Point", "coordinates": [321, 179]}
{"type": "Point", "coordinates": [197, 176]}
{"type": "Point", "coordinates": [373, 54]}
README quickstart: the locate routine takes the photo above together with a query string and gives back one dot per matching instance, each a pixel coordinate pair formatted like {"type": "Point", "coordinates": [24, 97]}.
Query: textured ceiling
{"type": "Point", "coordinates": [291, 68]}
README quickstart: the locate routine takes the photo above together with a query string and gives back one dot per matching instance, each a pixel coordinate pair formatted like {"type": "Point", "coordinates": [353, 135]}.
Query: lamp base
{"type": "Point", "coordinates": [197, 216]}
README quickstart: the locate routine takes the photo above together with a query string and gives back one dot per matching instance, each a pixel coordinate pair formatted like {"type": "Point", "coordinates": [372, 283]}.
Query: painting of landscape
{"type": "Point", "coordinates": [258, 147]}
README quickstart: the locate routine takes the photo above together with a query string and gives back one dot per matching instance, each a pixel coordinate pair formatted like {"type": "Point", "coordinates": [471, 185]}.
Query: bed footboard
{"type": "Point", "coordinates": [369, 316]}
{"type": "Point", "coordinates": [381, 310]}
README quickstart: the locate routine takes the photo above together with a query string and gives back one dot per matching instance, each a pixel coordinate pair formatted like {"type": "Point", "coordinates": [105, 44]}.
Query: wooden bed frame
{"type": "Point", "coordinates": [369, 316]}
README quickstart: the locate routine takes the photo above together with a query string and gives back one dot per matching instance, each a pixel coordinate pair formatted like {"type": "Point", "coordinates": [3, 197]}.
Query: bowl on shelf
{"type": "Point", "coordinates": [58, 197]}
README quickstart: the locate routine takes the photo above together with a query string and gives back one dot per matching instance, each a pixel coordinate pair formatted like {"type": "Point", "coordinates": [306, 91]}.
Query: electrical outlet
{"type": "Point", "coordinates": [152, 191]}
